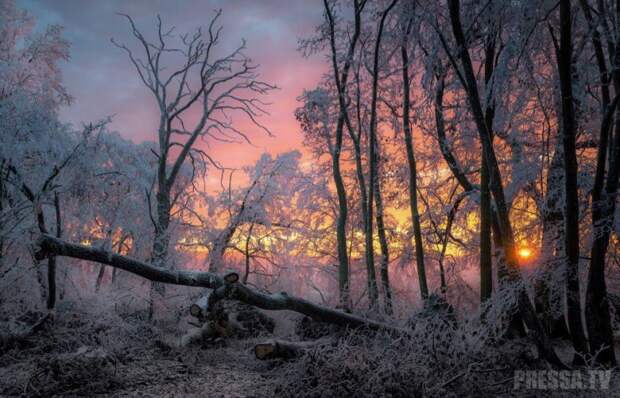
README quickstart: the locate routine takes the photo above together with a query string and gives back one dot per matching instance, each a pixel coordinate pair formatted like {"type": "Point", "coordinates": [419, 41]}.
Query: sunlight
{"type": "Point", "coordinates": [524, 253]}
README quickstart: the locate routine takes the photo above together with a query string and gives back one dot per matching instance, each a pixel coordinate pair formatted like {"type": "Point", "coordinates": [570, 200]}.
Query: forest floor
{"type": "Point", "coordinates": [124, 357]}
{"type": "Point", "coordinates": [111, 354]}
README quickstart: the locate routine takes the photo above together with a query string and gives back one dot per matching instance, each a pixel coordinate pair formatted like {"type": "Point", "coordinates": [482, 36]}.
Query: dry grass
{"type": "Point", "coordinates": [110, 352]}
{"type": "Point", "coordinates": [84, 354]}
{"type": "Point", "coordinates": [439, 358]}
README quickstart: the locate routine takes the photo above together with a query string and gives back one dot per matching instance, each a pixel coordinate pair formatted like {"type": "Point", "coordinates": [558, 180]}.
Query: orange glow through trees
{"type": "Point", "coordinates": [525, 253]}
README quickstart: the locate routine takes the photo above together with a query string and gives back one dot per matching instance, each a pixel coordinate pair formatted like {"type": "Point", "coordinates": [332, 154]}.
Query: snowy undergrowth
{"type": "Point", "coordinates": [440, 357]}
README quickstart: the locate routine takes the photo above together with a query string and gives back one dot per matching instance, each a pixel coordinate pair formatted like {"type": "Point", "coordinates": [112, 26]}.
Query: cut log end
{"type": "Point", "coordinates": [265, 351]}
{"type": "Point", "coordinates": [195, 310]}
{"type": "Point", "coordinates": [231, 277]}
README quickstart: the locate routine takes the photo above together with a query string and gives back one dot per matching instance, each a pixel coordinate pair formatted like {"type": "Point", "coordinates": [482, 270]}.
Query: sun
{"type": "Point", "coordinates": [525, 253]}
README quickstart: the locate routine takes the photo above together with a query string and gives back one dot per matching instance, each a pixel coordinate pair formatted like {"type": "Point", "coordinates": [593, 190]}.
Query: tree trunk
{"type": "Point", "coordinates": [247, 255]}
{"type": "Point", "coordinates": [571, 216]}
{"type": "Point", "coordinates": [162, 239]}
{"type": "Point", "coordinates": [598, 316]}
{"type": "Point", "coordinates": [603, 212]}
{"type": "Point", "coordinates": [486, 264]}
{"type": "Point", "coordinates": [3, 195]}
{"type": "Point", "coordinates": [552, 248]}
{"type": "Point", "coordinates": [341, 86]}
{"type": "Point", "coordinates": [341, 228]}
{"type": "Point", "coordinates": [201, 307]}
{"type": "Point", "coordinates": [495, 185]}
{"type": "Point", "coordinates": [369, 254]}
{"type": "Point", "coordinates": [373, 158]}
{"type": "Point", "coordinates": [385, 251]}
{"type": "Point", "coordinates": [495, 178]}
{"type": "Point", "coordinates": [411, 162]}
{"type": "Point", "coordinates": [51, 262]}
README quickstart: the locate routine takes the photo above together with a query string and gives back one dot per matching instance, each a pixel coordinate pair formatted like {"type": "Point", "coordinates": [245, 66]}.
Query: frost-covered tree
{"type": "Point", "coordinates": [185, 74]}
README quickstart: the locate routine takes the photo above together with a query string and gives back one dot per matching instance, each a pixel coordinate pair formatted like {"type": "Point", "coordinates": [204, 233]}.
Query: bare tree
{"type": "Point", "coordinates": [504, 227]}
{"type": "Point", "coordinates": [373, 159]}
{"type": "Point", "coordinates": [216, 87]}
{"type": "Point", "coordinates": [604, 191]}
{"type": "Point", "coordinates": [37, 198]}
{"type": "Point", "coordinates": [411, 161]}
{"type": "Point", "coordinates": [486, 264]}
{"type": "Point", "coordinates": [356, 138]}
{"type": "Point", "coordinates": [341, 78]}
{"type": "Point", "coordinates": [564, 53]}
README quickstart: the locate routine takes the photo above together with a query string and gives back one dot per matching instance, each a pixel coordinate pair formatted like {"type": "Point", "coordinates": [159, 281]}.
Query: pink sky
{"type": "Point", "coordinates": [103, 82]}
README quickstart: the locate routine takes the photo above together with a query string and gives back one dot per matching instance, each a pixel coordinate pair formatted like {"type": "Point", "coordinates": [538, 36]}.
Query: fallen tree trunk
{"type": "Point", "coordinates": [286, 349]}
{"type": "Point", "coordinates": [204, 305]}
{"type": "Point", "coordinates": [200, 308]}
{"type": "Point", "coordinates": [227, 286]}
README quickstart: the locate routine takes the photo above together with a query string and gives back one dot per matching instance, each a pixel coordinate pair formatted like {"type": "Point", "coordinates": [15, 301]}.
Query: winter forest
{"type": "Point", "coordinates": [401, 198]}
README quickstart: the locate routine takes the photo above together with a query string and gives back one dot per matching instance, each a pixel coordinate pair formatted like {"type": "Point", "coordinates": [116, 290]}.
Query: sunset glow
{"type": "Point", "coordinates": [525, 253]}
{"type": "Point", "coordinates": [183, 180]}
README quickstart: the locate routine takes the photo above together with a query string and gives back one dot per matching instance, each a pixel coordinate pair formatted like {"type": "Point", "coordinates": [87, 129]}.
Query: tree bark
{"type": "Point", "coordinates": [3, 195]}
{"type": "Point", "coordinates": [486, 264]}
{"type": "Point", "coordinates": [411, 162]}
{"type": "Point", "coordinates": [571, 215]}
{"type": "Point", "coordinates": [604, 193]}
{"type": "Point", "coordinates": [385, 252]}
{"type": "Point", "coordinates": [373, 158]}
{"type": "Point", "coordinates": [246, 253]}
{"type": "Point", "coordinates": [369, 254]}
{"type": "Point", "coordinates": [161, 239]}
{"type": "Point", "coordinates": [51, 262]}
{"type": "Point", "coordinates": [552, 247]}
{"type": "Point", "coordinates": [341, 227]}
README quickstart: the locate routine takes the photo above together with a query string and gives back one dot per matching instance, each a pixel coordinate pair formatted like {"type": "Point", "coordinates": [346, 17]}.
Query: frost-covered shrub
{"type": "Point", "coordinates": [439, 356]}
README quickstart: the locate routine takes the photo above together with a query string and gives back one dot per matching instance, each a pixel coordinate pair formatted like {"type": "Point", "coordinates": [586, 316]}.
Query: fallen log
{"type": "Point", "coordinates": [279, 349]}
{"type": "Point", "coordinates": [200, 308]}
{"type": "Point", "coordinates": [47, 245]}
{"type": "Point", "coordinates": [204, 305]}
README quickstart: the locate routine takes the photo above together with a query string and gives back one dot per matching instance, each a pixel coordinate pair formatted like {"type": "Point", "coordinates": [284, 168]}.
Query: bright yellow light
{"type": "Point", "coordinates": [524, 253]}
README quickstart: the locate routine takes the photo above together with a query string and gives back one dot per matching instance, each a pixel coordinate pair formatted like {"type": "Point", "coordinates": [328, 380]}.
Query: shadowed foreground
{"type": "Point", "coordinates": [120, 353]}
